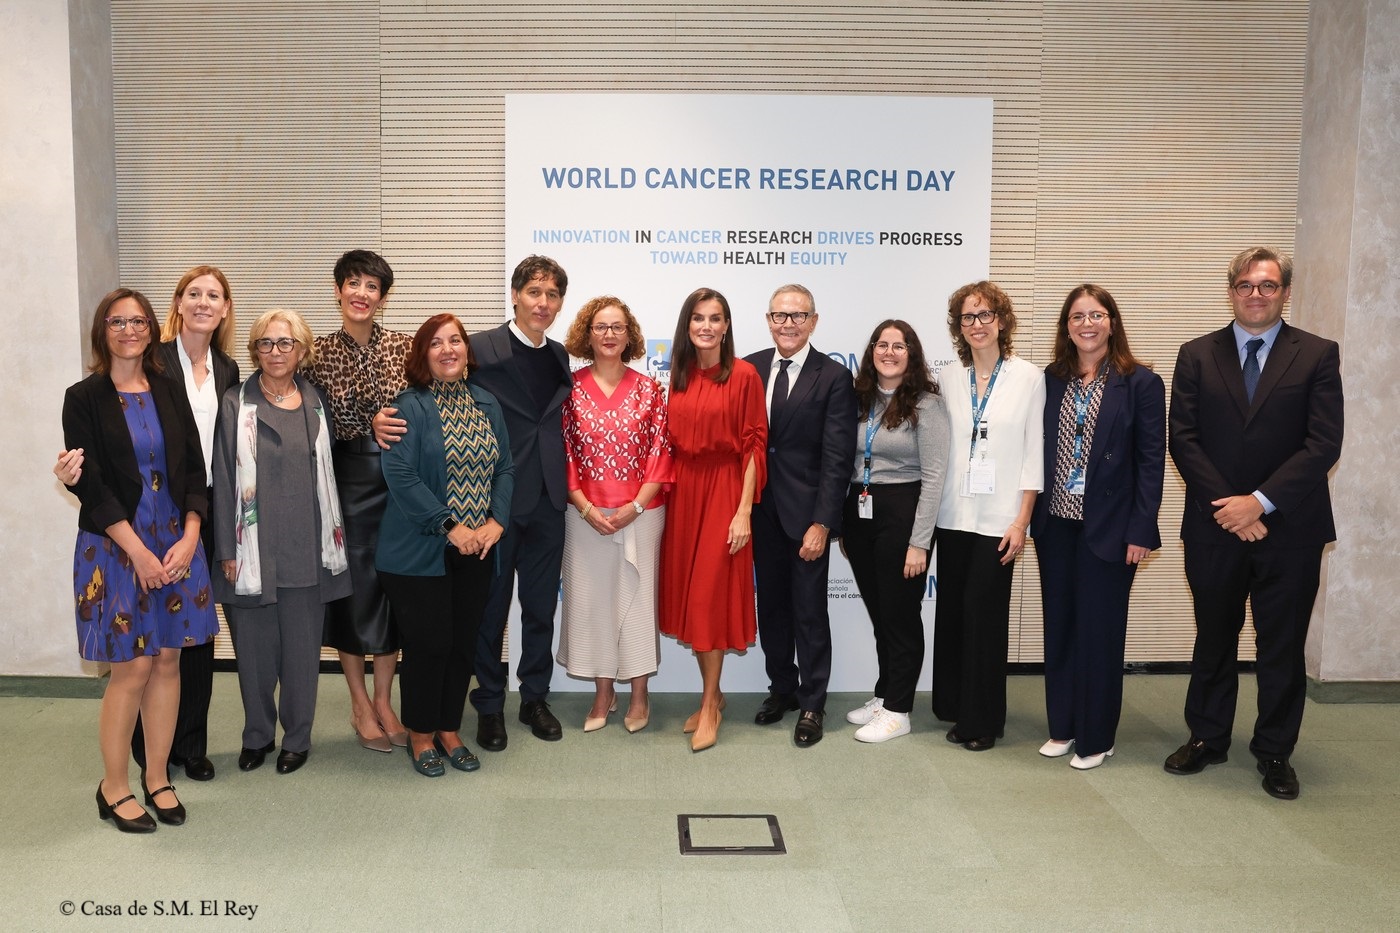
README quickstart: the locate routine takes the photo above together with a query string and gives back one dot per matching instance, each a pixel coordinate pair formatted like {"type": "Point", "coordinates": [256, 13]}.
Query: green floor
{"type": "Point", "coordinates": [915, 834]}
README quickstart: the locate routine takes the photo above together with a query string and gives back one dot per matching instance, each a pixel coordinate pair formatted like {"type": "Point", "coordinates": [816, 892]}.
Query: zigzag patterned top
{"type": "Point", "coordinates": [471, 449]}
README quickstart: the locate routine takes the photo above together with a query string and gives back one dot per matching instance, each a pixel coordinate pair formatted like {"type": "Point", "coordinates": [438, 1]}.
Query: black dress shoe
{"type": "Point", "coordinates": [980, 744]}
{"type": "Point", "coordinates": [172, 816]}
{"type": "Point", "coordinates": [773, 708]}
{"type": "Point", "coordinates": [491, 731]}
{"type": "Point", "coordinates": [1192, 758]}
{"type": "Point", "coordinates": [1280, 780]}
{"type": "Point", "coordinates": [108, 811]}
{"type": "Point", "coordinates": [809, 728]}
{"type": "Point", "coordinates": [536, 715]}
{"type": "Point", "coordinates": [199, 769]}
{"type": "Point", "coordinates": [250, 759]}
{"type": "Point", "coordinates": [287, 762]}
{"type": "Point", "coordinates": [953, 736]}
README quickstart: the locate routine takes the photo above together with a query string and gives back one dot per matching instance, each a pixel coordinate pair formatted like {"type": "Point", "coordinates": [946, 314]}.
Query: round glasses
{"type": "Point", "coordinates": [1094, 317]}
{"type": "Point", "coordinates": [138, 325]}
{"type": "Point", "coordinates": [883, 347]}
{"type": "Point", "coordinates": [1265, 289]}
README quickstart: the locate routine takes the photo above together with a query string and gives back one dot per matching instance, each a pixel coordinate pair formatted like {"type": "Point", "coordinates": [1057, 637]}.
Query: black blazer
{"type": "Point", "coordinates": [1283, 444]}
{"type": "Point", "coordinates": [536, 438]}
{"type": "Point", "coordinates": [110, 487]}
{"type": "Point", "coordinates": [224, 367]}
{"type": "Point", "coordinates": [1124, 467]}
{"type": "Point", "coordinates": [810, 448]}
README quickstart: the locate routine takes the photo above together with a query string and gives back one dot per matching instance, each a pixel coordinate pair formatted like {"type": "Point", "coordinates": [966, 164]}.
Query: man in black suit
{"type": "Point", "coordinates": [1256, 424]}
{"type": "Point", "coordinates": [811, 443]}
{"type": "Point", "coordinates": [529, 375]}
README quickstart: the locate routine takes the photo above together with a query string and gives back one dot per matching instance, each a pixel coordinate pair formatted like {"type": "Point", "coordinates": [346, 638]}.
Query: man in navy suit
{"type": "Point", "coordinates": [529, 375]}
{"type": "Point", "coordinates": [1256, 424]}
{"type": "Point", "coordinates": [811, 443]}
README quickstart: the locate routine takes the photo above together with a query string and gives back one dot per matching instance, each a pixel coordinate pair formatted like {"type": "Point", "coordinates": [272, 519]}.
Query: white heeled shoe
{"type": "Point", "coordinates": [1091, 762]}
{"type": "Point", "coordinates": [1055, 748]}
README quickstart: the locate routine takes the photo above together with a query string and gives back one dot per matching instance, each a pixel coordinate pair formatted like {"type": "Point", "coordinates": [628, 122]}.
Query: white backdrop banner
{"type": "Point", "coordinates": [881, 206]}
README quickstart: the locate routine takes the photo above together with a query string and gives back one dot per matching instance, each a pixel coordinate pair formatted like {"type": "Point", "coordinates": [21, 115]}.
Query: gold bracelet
{"type": "Point", "coordinates": [583, 512]}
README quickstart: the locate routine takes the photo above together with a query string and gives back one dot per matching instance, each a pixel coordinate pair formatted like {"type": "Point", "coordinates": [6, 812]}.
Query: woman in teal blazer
{"type": "Point", "coordinates": [450, 482]}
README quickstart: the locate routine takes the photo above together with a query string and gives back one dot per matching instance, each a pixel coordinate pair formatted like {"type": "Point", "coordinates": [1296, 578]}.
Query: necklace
{"type": "Point", "coordinates": [279, 399]}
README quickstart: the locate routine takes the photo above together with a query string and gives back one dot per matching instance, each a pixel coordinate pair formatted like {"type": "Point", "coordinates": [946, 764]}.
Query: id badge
{"type": "Point", "coordinates": [981, 477]}
{"type": "Point", "coordinates": [1075, 484]}
{"type": "Point", "coordinates": [865, 506]}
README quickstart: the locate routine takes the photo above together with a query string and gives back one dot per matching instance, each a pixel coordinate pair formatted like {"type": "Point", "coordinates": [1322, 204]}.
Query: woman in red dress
{"type": "Point", "coordinates": [719, 433]}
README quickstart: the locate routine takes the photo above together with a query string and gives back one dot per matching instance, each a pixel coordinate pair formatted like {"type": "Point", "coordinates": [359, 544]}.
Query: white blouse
{"type": "Point", "coordinates": [1015, 442]}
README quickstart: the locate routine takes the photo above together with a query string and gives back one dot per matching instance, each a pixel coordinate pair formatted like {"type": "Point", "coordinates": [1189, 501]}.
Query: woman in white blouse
{"type": "Point", "coordinates": [995, 469]}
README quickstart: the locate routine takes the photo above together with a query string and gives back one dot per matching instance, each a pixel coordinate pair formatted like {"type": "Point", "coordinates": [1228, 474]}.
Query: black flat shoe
{"type": "Point", "coordinates": [171, 816]}
{"type": "Point", "coordinates": [1280, 780]}
{"type": "Point", "coordinates": [460, 757]}
{"type": "Point", "coordinates": [809, 728]}
{"type": "Point", "coordinates": [980, 744]}
{"type": "Point", "coordinates": [1193, 757]}
{"type": "Point", "coordinates": [199, 769]}
{"type": "Point", "coordinates": [491, 731]}
{"type": "Point", "coordinates": [250, 759]}
{"type": "Point", "coordinates": [108, 811]}
{"type": "Point", "coordinates": [287, 762]}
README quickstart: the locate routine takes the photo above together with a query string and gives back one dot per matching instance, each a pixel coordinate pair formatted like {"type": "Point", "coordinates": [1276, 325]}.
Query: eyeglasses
{"type": "Point", "coordinates": [984, 317]}
{"type": "Point", "coordinates": [266, 345]}
{"type": "Point", "coordinates": [138, 325]}
{"type": "Point", "coordinates": [782, 317]}
{"type": "Point", "coordinates": [617, 330]}
{"type": "Point", "coordinates": [1095, 317]}
{"type": "Point", "coordinates": [883, 347]}
{"type": "Point", "coordinates": [1245, 289]}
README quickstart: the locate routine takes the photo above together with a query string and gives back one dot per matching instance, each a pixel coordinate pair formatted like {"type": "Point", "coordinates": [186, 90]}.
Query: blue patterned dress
{"type": "Point", "coordinates": [116, 621]}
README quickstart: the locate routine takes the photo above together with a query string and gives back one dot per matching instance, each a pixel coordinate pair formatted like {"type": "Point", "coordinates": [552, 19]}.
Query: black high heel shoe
{"type": "Point", "coordinates": [108, 811]}
{"type": "Point", "coordinates": [171, 816]}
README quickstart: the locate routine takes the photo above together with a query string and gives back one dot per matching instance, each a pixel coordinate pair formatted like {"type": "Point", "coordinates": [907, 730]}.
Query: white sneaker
{"type": "Point", "coordinates": [864, 713]}
{"type": "Point", "coordinates": [1093, 761]}
{"type": "Point", "coordinates": [1054, 748]}
{"type": "Point", "coordinates": [883, 726]}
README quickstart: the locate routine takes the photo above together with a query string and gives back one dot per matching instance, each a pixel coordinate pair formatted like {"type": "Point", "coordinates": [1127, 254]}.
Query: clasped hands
{"type": "Point", "coordinates": [477, 541]}
{"type": "Point", "coordinates": [1242, 516]}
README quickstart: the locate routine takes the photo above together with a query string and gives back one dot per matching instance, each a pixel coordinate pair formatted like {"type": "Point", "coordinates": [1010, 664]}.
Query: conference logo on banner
{"type": "Point", "coordinates": [881, 206]}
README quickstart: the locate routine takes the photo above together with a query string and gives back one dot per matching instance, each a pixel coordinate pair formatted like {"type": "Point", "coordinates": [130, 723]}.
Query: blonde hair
{"type": "Point", "coordinates": [300, 333]}
{"type": "Point", "coordinates": [175, 320]}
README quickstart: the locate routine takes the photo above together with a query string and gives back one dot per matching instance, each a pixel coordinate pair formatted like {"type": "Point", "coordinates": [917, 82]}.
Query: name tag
{"type": "Point", "coordinates": [1075, 484]}
{"type": "Point", "coordinates": [981, 477]}
{"type": "Point", "coordinates": [865, 506]}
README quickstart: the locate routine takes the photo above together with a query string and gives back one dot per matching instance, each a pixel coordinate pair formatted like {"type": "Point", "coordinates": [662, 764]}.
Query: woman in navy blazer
{"type": "Point", "coordinates": [1105, 450]}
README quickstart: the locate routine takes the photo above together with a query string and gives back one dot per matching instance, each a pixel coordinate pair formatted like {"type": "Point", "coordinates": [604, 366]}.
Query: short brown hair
{"type": "Point", "coordinates": [101, 353]}
{"type": "Point", "coordinates": [1254, 254]}
{"type": "Point", "coordinates": [997, 301]}
{"type": "Point", "coordinates": [415, 367]}
{"type": "Point", "coordinates": [577, 342]}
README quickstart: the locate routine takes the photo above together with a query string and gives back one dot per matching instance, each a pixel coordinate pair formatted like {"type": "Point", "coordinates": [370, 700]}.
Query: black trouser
{"type": "Point", "coordinates": [438, 619]}
{"type": "Point", "coordinates": [970, 633]}
{"type": "Point", "coordinates": [876, 548]}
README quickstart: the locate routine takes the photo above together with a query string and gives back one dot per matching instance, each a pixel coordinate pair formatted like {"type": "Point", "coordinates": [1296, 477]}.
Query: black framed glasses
{"type": "Point", "coordinates": [266, 345]}
{"type": "Point", "coordinates": [782, 317]}
{"type": "Point", "coordinates": [985, 316]}
{"type": "Point", "coordinates": [138, 325]}
{"type": "Point", "coordinates": [1265, 289]}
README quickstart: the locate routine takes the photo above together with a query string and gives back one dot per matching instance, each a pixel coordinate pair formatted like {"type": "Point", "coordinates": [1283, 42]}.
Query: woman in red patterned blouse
{"type": "Point", "coordinates": [619, 461]}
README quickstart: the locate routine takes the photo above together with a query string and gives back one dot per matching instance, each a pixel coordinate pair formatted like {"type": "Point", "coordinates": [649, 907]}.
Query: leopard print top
{"type": "Point", "coordinates": [359, 380]}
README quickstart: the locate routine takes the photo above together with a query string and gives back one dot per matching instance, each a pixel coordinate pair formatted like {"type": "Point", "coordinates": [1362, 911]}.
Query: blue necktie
{"type": "Point", "coordinates": [1251, 367]}
{"type": "Point", "coordinates": [780, 391]}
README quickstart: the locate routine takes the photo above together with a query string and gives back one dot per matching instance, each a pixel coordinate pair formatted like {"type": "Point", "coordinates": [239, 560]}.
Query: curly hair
{"type": "Point", "coordinates": [577, 342]}
{"type": "Point", "coordinates": [997, 301]}
{"type": "Point", "coordinates": [917, 382]}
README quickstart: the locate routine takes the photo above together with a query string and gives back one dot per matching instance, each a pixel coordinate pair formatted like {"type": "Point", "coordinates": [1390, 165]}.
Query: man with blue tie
{"type": "Point", "coordinates": [1256, 424]}
{"type": "Point", "coordinates": [811, 437]}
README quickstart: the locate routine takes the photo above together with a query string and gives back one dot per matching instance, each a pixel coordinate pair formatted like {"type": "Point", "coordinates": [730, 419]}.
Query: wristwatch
{"type": "Point", "coordinates": [638, 506]}
{"type": "Point", "coordinates": [448, 524]}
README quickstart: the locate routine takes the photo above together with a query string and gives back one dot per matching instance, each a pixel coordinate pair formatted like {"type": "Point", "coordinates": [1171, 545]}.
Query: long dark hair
{"type": "Point", "coordinates": [683, 351]}
{"type": "Point", "coordinates": [1065, 361]}
{"type": "Point", "coordinates": [904, 404]}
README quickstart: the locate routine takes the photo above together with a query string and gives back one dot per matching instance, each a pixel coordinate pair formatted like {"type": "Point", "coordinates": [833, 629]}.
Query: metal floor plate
{"type": "Point", "coordinates": [730, 834]}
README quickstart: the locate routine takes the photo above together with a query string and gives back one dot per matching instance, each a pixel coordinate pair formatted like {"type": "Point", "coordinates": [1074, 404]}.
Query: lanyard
{"type": "Point", "coordinates": [979, 410]}
{"type": "Point", "coordinates": [872, 427]}
{"type": "Point", "coordinates": [1082, 396]}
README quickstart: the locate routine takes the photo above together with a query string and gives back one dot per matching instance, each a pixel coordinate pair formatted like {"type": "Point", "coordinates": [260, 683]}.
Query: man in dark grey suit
{"type": "Point", "coordinates": [811, 440]}
{"type": "Point", "coordinates": [1256, 424]}
{"type": "Point", "coordinates": [529, 375]}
